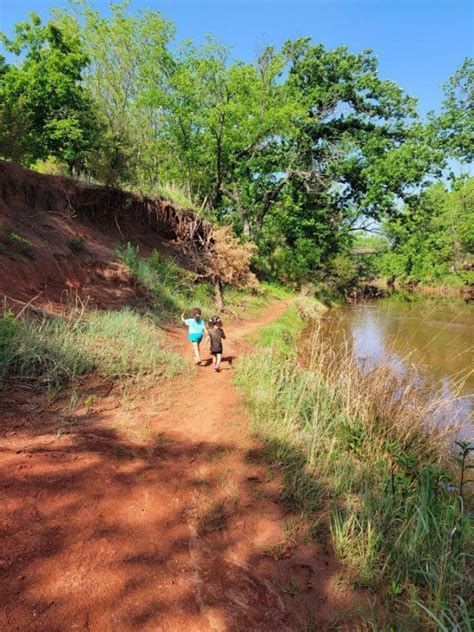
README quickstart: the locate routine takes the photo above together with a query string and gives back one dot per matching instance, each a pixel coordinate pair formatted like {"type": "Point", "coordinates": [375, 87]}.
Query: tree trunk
{"type": "Point", "coordinates": [246, 225]}
{"type": "Point", "coordinates": [219, 295]}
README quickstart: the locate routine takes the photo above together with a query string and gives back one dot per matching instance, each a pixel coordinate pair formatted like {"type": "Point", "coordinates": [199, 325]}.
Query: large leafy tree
{"type": "Point", "coordinates": [127, 77]}
{"type": "Point", "coordinates": [221, 118]}
{"type": "Point", "coordinates": [45, 109]}
{"type": "Point", "coordinates": [348, 160]}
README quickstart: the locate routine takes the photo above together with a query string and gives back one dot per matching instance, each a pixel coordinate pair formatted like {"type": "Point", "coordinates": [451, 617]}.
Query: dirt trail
{"type": "Point", "coordinates": [163, 517]}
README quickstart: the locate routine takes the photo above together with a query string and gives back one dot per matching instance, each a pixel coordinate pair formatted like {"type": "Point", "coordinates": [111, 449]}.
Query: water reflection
{"type": "Point", "coordinates": [435, 336]}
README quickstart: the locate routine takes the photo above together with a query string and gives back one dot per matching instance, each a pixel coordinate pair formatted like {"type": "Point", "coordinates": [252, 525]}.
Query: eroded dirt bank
{"type": "Point", "coordinates": [159, 516]}
{"type": "Point", "coordinates": [58, 238]}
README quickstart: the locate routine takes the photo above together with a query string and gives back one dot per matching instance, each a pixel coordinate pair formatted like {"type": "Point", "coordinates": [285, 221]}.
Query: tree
{"type": "Point", "coordinates": [45, 109]}
{"type": "Point", "coordinates": [221, 116]}
{"type": "Point", "coordinates": [455, 125]}
{"type": "Point", "coordinates": [127, 76]}
{"type": "Point", "coordinates": [433, 238]}
{"type": "Point", "coordinates": [347, 162]}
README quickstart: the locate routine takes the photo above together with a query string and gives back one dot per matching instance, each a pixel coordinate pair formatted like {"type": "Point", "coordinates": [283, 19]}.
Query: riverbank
{"type": "Point", "coordinates": [455, 291]}
{"type": "Point", "coordinates": [367, 477]}
{"type": "Point", "coordinates": [429, 336]}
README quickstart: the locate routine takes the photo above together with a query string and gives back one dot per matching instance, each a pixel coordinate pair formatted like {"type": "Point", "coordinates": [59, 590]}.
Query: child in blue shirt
{"type": "Point", "coordinates": [196, 328]}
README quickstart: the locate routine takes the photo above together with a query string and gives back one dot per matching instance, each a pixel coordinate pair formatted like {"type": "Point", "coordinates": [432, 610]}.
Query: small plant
{"type": "Point", "coordinates": [22, 244]}
{"type": "Point", "coordinates": [465, 448]}
{"type": "Point", "coordinates": [89, 402]}
{"type": "Point", "coordinates": [9, 328]}
{"type": "Point", "coordinates": [129, 255]}
{"type": "Point", "coordinates": [77, 244]}
{"type": "Point", "coordinates": [18, 239]}
{"type": "Point", "coordinates": [394, 589]}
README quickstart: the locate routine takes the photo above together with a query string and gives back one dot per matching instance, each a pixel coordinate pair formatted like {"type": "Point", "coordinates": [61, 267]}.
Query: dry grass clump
{"type": "Point", "coordinates": [230, 261]}
{"type": "Point", "coordinates": [392, 405]}
{"type": "Point", "coordinates": [309, 309]}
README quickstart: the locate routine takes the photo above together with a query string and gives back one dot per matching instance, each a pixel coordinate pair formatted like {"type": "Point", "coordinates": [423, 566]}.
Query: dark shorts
{"type": "Point", "coordinates": [214, 352]}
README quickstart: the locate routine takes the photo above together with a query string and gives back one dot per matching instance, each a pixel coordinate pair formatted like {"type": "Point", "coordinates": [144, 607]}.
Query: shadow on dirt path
{"type": "Point", "coordinates": [179, 528]}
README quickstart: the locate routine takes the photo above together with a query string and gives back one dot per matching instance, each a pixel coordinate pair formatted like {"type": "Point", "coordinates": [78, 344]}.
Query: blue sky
{"type": "Point", "coordinates": [419, 43]}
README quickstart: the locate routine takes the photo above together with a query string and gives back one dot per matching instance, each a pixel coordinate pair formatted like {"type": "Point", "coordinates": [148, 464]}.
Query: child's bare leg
{"type": "Point", "coordinates": [197, 355]}
{"type": "Point", "coordinates": [218, 357]}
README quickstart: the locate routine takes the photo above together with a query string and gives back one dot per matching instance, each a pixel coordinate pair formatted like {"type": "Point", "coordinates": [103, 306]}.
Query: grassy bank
{"type": "Point", "coordinates": [128, 346]}
{"type": "Point", "coordinates": [360, 467]}
{"type": "Point", "coordinates": [447, 288]}
{"type": "Point", "coordinates": [57, 351]}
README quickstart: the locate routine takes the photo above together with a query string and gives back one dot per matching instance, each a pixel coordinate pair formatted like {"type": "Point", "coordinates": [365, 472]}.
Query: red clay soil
{"type": "Point", "coordinates": [161, 516]}
{"type": "Point", "coordinates": [58, 238]}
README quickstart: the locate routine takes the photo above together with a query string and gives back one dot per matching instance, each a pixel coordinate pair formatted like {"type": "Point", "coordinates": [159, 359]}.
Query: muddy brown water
{"type": "Point", "coordinates": [434, 336]}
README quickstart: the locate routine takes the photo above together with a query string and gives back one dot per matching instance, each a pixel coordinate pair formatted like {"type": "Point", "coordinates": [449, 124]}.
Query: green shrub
{"type": "Point", "coordinates": [51, 166]}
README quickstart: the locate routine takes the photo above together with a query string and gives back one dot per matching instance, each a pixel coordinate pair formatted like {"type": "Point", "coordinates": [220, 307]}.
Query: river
{"type": "Point", "coordinates": [436, 336]}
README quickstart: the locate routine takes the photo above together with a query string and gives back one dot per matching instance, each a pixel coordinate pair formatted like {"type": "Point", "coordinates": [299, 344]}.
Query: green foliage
{"type": "Point", "coordinates": [21, 241]}
{"type": "Point", "coordinates": [432, 241]}
{"type": "Point", "coordinates": [454, 128]}
{"type": "Point", "coordinates": [45, 110]}
{"type": "Point", "coordinates": [50, 166]}
{"type": "Point", "coordinates": [128, 67]}
{"type": "Point", "coordinates": [343, 271]}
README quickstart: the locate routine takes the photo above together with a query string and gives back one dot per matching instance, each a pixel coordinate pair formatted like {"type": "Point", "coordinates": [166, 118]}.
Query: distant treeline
{"type": "Point", "coordinates": [298, 151]}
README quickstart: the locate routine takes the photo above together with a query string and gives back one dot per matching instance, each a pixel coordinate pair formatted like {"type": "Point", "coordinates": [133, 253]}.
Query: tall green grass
{"type": "Point", "coordinates": [56, 351]}
{"type": "Point", "coordinates": [356, 456]}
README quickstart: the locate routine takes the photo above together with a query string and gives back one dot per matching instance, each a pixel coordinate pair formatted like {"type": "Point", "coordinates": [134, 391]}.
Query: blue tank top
{"type": "Point", "coordinates": [195, 326]}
